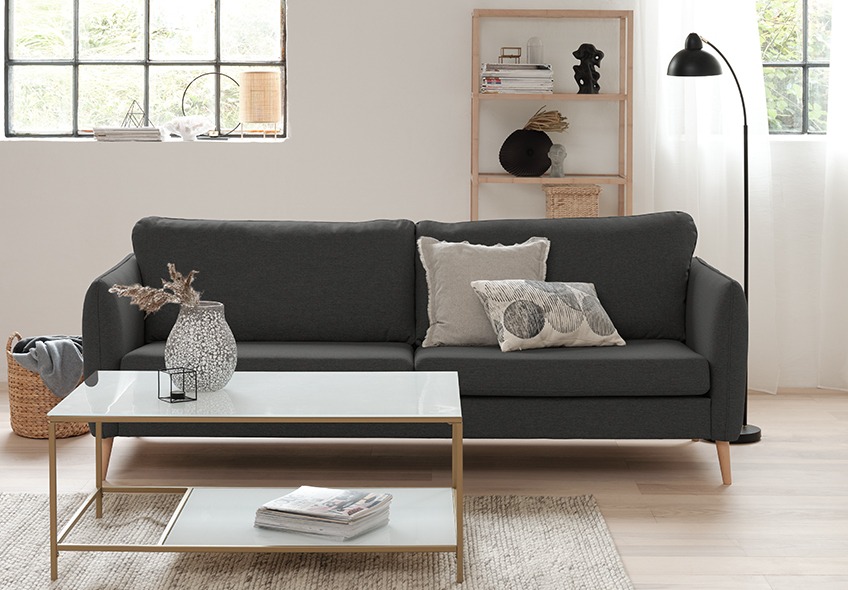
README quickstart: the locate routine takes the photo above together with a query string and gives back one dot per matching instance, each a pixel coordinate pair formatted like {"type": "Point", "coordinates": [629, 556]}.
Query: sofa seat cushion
{"type": "Point", "coordinates": [295, 356]}
{"type": "Point", "coordinates": [642, 368]}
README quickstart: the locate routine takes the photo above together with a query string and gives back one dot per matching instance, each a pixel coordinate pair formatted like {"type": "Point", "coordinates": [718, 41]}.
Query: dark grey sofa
{"type": "Point", "coordinates": [307, 296]}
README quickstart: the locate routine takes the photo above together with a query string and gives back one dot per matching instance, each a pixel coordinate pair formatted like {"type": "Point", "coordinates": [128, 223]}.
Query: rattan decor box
{"type": "Point", "coordinates": [30, 400]}
{"type": "Point", "coordinates": [571, 200]}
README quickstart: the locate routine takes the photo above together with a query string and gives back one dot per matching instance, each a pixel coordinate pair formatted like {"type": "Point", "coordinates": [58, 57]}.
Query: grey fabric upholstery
{"type": "Point", "coordinates": [586, 417]}
{"type": "Point", "coordinates": [280, 430]}
{"type": "Point", "coordinates": [639, 265]}
{"type": "Point", "coordinates": [717, 328]}
{"type": "Point", "coordinates": [295, 356]}
{"type": "Point", "coordinates": [110, 325]}
{"type": "Point", "coordinates": [642, 368]}
{"type": "Point", "coordinates": [495, 417]}
{"type": "Point", "coordinates": [288, 280]}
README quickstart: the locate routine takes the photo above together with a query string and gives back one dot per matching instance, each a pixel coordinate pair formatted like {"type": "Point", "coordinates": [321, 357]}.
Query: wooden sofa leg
{"type": "Point", "coordinates": [723, 450]}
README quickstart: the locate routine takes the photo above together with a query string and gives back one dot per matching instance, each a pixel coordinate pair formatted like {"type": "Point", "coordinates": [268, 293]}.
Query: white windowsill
{"type": "Point", "coordinates": [798, 138]}
{"type": "Point", "coordinates": [229, 140]}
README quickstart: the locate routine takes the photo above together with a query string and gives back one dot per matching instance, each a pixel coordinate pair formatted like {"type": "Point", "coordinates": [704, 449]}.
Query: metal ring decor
{"type": "Point", "coordinates": [182, 102]}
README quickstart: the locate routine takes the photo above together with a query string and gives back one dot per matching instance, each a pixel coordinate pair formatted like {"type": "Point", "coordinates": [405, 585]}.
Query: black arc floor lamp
{"type": "Point", "coordinates": [694, 61]}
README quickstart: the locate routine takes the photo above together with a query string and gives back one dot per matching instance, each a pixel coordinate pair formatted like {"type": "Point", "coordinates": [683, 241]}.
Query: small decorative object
{"type": "Point", "coordinates": [135, 117]}
{"type": "Point", "coordinates": [189, 127]}
{"type": "Point", "coordinates": [557, 154]}
{"type": "Point", "coordinates": [525, 151]}
{"type": "Point", "coordinates": [585, 73]}
{"type": "Point", "coordinates": [201, 339]}
{"type": "Point", "coordinates": [513, 53]}
{"type": "Point", "coordinates": [218, 134]}
{"type": "Point", "coordinates": [535, 51]}
{"type": "Point", "coordinates": [259, 99]}
{"type": "Point", "coordinates": [177, 385]}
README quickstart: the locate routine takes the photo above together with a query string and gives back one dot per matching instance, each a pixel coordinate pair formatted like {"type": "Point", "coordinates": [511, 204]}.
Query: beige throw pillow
{"type": "Point", "coordinates": [456, 316]}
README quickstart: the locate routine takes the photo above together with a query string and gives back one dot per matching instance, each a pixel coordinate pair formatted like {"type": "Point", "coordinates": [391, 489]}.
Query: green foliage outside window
{"type": "Point", "coordinates": [796, 77]}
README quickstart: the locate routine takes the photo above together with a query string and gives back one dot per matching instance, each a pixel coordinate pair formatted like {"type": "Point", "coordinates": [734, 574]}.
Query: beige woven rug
{"type": "Point", "coordinates": [512, 543]}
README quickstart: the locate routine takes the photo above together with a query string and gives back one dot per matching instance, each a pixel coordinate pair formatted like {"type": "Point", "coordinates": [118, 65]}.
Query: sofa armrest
{"type": "Point", "coordinates": [111, 326]}
{"type": "Point", "coordinates": [717, 328]}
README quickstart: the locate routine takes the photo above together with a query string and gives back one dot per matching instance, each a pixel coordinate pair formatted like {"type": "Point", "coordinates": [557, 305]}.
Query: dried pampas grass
{"type": "Point", "coordinates": [547, 121]}
{"type": "Point", "coordinates": [150, 300]}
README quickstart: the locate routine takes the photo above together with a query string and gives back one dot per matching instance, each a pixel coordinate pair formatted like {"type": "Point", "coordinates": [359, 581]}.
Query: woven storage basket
{"type": "Point", "coordinates": [30, 400]}
{"type": "Point", "coordinates": [569, 200]}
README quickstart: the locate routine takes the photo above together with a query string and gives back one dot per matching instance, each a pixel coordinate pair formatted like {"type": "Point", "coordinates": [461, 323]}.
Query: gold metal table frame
{"type": "Point", "coordinates": [58, 537]}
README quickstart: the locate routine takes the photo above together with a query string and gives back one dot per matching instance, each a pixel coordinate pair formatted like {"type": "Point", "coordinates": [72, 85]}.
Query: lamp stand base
{"type": "Point", "coordinates": [749, 434]}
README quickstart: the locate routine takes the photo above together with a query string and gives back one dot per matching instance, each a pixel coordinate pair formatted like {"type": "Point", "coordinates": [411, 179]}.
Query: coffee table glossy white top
{"type": "Point", "coordinates": [255, 396]}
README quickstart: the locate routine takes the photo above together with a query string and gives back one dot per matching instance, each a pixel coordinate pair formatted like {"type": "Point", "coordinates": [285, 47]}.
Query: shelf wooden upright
{"type": "Point", "coordinates": [623, 179]}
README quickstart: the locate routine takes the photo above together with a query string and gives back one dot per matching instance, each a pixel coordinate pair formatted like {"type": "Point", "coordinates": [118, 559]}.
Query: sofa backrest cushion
{"type": "Point", "coordinates": [638, 264]}
{"type": "Point", "coordinates": [288, 280]}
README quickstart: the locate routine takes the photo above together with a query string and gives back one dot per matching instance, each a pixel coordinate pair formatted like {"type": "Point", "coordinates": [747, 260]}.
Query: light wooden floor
{"type": "Point", "coordinates": [782, 525]}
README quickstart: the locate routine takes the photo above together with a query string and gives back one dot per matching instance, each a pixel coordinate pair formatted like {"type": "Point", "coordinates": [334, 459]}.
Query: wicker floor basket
{"type": "Point", "coordinates": [571, 200]}
{"type": "Point", "coordinates": [30, 400]}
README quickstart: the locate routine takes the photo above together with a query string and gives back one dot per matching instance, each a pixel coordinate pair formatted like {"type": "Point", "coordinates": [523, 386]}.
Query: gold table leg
{"type": "Point", "coordinates": [456, 481]}
{"type": "Point", "coordinates": [54, 518]}
{"type": "Point", "coordinates": [98, 467]}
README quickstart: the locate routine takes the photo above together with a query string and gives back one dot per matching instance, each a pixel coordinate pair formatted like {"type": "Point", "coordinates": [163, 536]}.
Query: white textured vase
{"type": "Point", "coordinates": [202, 340]}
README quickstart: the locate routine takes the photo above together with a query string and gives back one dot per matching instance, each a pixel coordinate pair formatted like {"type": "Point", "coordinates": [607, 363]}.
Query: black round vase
{"type": "Point", "coordinates": [525, 153]}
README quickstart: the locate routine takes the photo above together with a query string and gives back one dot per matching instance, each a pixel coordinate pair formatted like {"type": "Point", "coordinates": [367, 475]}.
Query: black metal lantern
{"type": "Point", "coordinates": [180, 385]}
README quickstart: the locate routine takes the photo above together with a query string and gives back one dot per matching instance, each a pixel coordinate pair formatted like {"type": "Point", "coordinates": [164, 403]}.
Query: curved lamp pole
{"type": "Point", "coordinates": [692, 60]}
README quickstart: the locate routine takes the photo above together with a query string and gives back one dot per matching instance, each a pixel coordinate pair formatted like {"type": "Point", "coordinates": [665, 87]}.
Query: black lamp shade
{"type": "Point", "coordinates": [693, 60]}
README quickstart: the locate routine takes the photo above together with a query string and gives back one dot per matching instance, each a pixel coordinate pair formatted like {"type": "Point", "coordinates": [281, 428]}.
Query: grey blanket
{"type": "Point", "coordinates": [57, 359]}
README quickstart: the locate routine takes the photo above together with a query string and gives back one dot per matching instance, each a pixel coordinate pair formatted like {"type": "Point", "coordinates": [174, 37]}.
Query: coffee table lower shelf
{"type": "Point", "coordinates": [218, 519]}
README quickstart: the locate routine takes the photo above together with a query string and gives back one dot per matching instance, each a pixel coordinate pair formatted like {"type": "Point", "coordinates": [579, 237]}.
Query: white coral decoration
{"type": "Point", "coordinates": [189, 127]}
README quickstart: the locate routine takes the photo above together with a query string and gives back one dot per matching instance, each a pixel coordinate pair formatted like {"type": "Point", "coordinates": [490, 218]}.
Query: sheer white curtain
{"type": "Point", "coordinates": [689, 154]}
{"type": "Point", "coordinates": [833, 318]}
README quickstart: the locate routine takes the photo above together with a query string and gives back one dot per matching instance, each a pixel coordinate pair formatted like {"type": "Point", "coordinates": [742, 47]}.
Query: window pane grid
{"type": "Point", "coordinates": [215, 64]}
{"type": "Point", "coordinates": [796, 89]}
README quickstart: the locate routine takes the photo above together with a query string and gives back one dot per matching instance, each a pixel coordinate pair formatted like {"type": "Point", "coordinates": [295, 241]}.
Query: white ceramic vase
{"type": "Point", "coordinates": [202, 340]}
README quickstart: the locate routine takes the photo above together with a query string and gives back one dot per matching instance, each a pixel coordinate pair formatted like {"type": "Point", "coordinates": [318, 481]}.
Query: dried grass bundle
{"type": "Point", "coordinates": [547, 121]}
{"type": "Point", "coordinates": [150, 300]}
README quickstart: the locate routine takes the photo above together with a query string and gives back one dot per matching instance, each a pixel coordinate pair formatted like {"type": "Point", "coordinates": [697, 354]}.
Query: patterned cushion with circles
{"type": "Point", "coordinates": [535, 314]}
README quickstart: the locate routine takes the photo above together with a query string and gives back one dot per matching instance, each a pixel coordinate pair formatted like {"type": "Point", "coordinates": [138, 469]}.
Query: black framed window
{"type": "Point", "coordinates": [795, 42]}
{"type": "Point", "coordinates": [73, 65]}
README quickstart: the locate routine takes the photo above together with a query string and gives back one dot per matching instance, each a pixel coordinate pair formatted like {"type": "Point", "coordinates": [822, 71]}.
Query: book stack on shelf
{"type": "Point", "coordinates": [516, 79]}
{"type": "Point", "coordinates": [337, 515]}
{"type": "Point", "coordinates": [128, 134]}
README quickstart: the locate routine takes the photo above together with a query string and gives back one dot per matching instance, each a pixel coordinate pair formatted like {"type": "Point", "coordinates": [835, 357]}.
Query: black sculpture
{"type": "Point", "coordinates": [585, 73]}
{"type": "Point", "coordinates": [525, 153]}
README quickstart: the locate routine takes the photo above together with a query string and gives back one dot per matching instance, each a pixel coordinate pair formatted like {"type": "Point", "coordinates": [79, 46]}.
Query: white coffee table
{"type": "Point", "coordinates": [221, 519]}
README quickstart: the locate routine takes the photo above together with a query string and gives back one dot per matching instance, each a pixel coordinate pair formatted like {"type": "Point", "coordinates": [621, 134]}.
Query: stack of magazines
{"type": "Point", "coordinates": [516, 79]}
{"type": "Point", "coordinates": [337, 515]}
{"type": "Point", "coordinates": [128, 134]}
